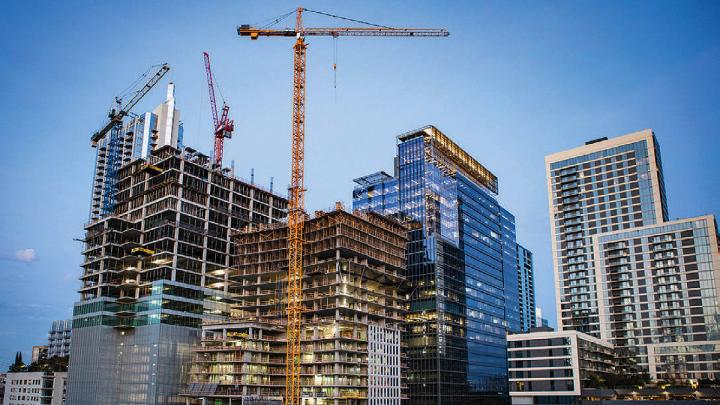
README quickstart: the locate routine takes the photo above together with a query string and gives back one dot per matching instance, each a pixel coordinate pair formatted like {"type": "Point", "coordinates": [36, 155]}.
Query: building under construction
{"type": "Point", "coordinates": [154, 269]}
{"type": "Point", "coordinates": [352, 318]}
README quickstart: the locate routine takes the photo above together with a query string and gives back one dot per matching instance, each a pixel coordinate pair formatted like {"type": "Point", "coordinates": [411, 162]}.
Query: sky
{"type": "Point", "coordinates": [514, 81]}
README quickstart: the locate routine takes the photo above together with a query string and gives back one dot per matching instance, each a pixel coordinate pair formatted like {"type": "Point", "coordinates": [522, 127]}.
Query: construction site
{"type": "Point", "coordinates": [353, 306]}
{"type": "Point", "coordinates": [198, 285]}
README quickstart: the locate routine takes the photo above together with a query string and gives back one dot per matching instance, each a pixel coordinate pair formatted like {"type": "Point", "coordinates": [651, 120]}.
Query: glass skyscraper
{"type": "Point", "coordinates": [462, 268]}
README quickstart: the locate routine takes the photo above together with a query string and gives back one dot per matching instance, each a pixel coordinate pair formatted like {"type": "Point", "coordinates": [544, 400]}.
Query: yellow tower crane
{"type": "Point", "coordinates": [296, 208]}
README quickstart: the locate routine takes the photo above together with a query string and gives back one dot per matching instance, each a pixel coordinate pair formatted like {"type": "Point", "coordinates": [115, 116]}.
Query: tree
{"type": "Point", "coordinates": [51, 364]}
{"type": "Point", "coordinates": [18, 366]}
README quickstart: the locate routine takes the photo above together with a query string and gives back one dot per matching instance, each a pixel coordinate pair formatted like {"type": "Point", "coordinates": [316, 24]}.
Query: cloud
{"type": "Point", "coordinates": [22, 255]}
{"type": "Point", "coordinates": [25, 255]}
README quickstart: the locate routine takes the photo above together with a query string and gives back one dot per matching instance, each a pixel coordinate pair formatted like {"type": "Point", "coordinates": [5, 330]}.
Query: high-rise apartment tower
{"type": "Point", "coordinates": [603, 186]}
{"type": "Point", "coordinates": [623, 272]}
{"type": "Point", "coordinates": [526, 288]}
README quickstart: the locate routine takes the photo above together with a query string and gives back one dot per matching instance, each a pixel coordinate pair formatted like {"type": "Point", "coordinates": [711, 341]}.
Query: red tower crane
{"type": "Point", "coordinates": [222, 127]}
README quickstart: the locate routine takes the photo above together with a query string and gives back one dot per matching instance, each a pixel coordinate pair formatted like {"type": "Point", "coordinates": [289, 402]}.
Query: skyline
{"type": "Point", "coordinates": [626, 84]}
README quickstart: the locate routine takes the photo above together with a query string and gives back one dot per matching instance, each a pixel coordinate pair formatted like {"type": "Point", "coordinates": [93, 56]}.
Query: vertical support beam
{"type": "Point", "coordinates": [296, 218]}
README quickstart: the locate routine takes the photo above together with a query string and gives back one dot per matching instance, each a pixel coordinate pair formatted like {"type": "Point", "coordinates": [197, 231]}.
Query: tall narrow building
{"type": "Point", "coordinates": [140, 135]}
{"type": "Point", "coordinates": [603, 186]}
{"type": "Point", "coordinates": [59, 338]}
{"type": "Point", "coordinates": [462, 268]}
{"type": "Point", "coordinates": [526, 288]}
{"type": "Point", "coordinates": [623, 272]}
{"type": "Point", "coordinates": [154, 270]}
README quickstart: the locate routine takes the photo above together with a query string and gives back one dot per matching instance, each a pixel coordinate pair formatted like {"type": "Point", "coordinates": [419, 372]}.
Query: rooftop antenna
{"type": "Point", "coordinates": [252, 176]}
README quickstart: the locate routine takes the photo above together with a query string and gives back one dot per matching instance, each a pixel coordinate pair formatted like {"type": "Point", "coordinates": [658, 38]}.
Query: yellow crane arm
{"type": "Point", "coordinates": [255, 33]}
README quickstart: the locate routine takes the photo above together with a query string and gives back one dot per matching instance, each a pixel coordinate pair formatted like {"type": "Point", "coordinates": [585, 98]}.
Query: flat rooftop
{"type": "Point", "coordinates": [469, 166]}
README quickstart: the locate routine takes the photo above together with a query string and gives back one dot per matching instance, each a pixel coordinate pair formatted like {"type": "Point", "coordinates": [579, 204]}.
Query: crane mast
{"type": "Point", "coordinates": [296, 204]}
{"type": "Point", "coordinates": [222, 126]}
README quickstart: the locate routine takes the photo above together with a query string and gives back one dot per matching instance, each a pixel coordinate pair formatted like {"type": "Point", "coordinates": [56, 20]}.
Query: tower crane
{"type": "Point", "coordinates": [222, 127]}
{"type": "Point", "coordinates": [296, 206]}
{"type": "Point", "coordinates": [114, 126]}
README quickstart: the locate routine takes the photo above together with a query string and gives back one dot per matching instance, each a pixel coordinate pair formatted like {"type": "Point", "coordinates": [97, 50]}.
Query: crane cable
{"type": "Point", "coordinates": [335, 46]}
{"type": "Point", "coordinates": [346, 18]}
{"type": "Point", "coordinates": [275, 21]}
{"type": "Point", "coordinates": [335, 58]}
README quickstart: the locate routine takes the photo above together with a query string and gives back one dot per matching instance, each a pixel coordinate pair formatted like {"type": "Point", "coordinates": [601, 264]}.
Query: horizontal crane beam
{"type": "Point", "coordinates": [254, 33]}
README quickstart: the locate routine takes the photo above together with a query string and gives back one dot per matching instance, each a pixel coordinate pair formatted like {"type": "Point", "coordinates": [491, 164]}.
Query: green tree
{"type": "Point", "coordinates": [51, 364]}
{"type": "Point", "coordinates": [18, 365]}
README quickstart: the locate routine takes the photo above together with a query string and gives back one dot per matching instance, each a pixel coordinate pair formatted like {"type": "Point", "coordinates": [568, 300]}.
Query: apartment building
{"type": "Point", "coordinates": [626, 274]}
{"type": "Point", "coordinates": [35, 388]}
{"type": "Point", "coordinates": [660, 288]}
{"type": "Point", "coordinates": [548, 367]}
{"type": "Point", "coordinates": [603, 186]}
{"type": "Point", "coordinates": [526, 288]}
{"type": "Point", "coordinates": [136, 139]}
{"type": "Point", "coordinates": [59, 338]}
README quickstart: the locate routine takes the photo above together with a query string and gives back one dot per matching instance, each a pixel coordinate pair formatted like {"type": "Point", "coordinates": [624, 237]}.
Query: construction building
{"type": "Point", "coordinates": [153, 271]}
{"type": "Point", "coordinates": [462, 268]}
{"type": "Point", "coordinates": [140, 135]}
{"type": "Point", "coordinates": [59, 338]}
{"type": "Point", "coordinates": [352, 318]}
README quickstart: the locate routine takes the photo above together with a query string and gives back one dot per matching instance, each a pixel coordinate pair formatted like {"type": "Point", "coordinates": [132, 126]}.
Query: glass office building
{"type": "Point", "coordinates": [461, 266]}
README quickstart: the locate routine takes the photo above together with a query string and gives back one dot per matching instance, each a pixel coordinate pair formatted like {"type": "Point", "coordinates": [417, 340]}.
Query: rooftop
{"type": "Point", "coordinates": [459, 156]}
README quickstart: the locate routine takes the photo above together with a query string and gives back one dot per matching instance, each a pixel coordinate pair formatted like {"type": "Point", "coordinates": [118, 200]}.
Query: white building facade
{"type": "Point", "coordinates": [35, 388]}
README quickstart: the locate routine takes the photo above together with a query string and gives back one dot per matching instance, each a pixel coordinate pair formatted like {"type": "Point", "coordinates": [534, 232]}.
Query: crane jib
{"type": "Point", "coordinates": [247, 31]}
{"type": "Point", "coordinates": [125, 110]}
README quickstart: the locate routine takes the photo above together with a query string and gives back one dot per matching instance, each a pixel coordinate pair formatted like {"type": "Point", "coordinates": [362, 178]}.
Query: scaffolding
{"type": "Point", "coordinates": [353, 307]}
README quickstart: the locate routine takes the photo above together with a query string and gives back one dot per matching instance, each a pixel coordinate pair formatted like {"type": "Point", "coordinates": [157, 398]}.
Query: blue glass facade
{"type": "Point", "coordinates": [462, 267]}
{"type": "Point", "coordinates": [376, 192]}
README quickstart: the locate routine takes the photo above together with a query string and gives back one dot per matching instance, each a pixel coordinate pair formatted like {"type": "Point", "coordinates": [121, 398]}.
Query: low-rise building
{"type": "Point", "coordinates": [684, 361]}
{"type": "Point", "coordinates": [2, 387]}
{"type": "Point", "coordinates": [549, 367]}
{"type": "Point", "coordinates": [39, 353]}
{"type": "Point", "coordinates": [35, 388]}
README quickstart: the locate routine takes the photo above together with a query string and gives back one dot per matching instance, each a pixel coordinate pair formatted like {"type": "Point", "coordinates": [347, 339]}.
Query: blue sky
{"type": "Point", "coordinates": [514, 81]}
